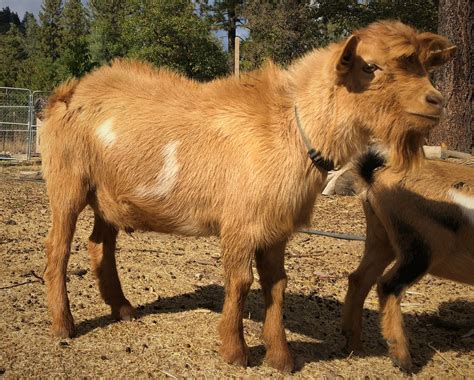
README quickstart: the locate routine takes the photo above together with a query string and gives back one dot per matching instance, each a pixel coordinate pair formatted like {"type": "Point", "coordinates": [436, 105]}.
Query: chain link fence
{"type": "Point", "coordinates": [19, 108]}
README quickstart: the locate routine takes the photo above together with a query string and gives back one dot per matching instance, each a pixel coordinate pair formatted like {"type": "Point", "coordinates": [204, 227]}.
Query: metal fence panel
{"type": "Point", "coordinates": [19, 108]}
{"type": "Point", "coordinates": [14, 122]}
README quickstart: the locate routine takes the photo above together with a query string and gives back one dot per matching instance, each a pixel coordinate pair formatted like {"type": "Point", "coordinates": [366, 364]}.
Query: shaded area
{"type": "Point", "coordinates": [324, 325]}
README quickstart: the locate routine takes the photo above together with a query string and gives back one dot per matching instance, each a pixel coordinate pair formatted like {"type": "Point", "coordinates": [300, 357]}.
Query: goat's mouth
{"type": "Point", "coordinates": [425, 115]}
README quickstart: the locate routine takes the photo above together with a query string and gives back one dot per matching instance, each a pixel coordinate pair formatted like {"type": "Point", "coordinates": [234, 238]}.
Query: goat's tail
{"type": "Point", "coordinates": [56, 147]}
{"type": "Point", "coordinates": [368, 163]}
{"type": "Point", "coordinates": [58, 102]}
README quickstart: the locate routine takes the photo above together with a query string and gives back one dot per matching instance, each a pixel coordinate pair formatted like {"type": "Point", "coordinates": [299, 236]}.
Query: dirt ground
{"type": "Point", "coordinates": [176, 284]}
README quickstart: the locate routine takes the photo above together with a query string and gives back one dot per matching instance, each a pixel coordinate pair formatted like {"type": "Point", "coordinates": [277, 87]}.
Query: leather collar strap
{"type": "Point", "coordinates": [316, 158]}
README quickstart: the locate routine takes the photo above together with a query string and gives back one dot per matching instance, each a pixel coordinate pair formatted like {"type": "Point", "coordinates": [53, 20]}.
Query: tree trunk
{"type": "Point", "coordinates": [455, 79]}
{"type": "Point", "coordinates": [232, 29]}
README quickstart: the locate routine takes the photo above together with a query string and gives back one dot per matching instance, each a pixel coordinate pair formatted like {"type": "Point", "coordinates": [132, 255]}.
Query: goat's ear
{"type": "Point", "coordinates": [347, 57]}
{"type": "Point", "coordinates": [436, 50]}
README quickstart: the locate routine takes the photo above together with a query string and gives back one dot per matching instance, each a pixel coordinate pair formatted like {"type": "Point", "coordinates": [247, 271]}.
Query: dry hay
{"type": "Point", "coordinates": [176, 283]}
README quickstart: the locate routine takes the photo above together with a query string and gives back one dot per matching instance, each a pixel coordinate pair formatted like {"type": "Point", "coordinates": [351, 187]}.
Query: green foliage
{"type": "Point", "coordinates": [71, 38]}
{"type": "Point", "coordinates": [42, 73]}
{"type": "Point", "coordinates": [7, 17]}
{"type": "Point", "coordinates": [225, 15]}
{"type": "Point", "coordinates": [346, 15]}
{"type": "Point", "coordinates": [12, 51]}
{"type": "Point", "coordinates": [170, 33]}
{"type": "Point", "coordinates": [75, 55]}
{"type": "Point", "coordinates": [105, 40]}
{"type": "Point", "coordinates": [31, 34]}
{"type": "Point", "coordinates": [37, 71]}
{"type": "Point", "coordinates": [282, 30]}
{"type": "Point", "coordinates": [422, 14]}
{"type": "Point", "coordinates": [50, 31]}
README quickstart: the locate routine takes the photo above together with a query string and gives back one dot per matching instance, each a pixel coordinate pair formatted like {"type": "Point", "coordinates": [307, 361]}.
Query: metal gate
{"type": "Point", "coordinates": [38, 102]}
{"type": "Point", "coordinates": [18, 122]}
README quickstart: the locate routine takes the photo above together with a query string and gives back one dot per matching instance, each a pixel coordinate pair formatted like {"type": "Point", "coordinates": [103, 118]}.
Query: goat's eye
{"type": "Point", "coordinates": [370, 68]}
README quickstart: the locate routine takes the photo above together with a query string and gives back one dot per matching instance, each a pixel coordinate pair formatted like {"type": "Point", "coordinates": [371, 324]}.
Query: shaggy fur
{"type": "Point", "coordinates": [148, 149]}
{"type": "Point", "coordinates": [423, 221]}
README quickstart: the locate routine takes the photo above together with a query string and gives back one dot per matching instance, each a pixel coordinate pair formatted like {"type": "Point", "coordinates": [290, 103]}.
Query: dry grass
{"type": "Point", "coordinates": [176, 284]}
{"type": "Point", "coordinates": [14, 143]}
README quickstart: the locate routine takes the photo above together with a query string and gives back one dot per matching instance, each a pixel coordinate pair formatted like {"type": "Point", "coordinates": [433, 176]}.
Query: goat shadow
{"type": "Point", "coordinates": [320, 318]}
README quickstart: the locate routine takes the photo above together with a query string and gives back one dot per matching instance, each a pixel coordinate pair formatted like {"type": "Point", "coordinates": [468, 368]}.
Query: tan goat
{"type": "Point", "coordinates": [148, 149]}
{"type": "Point", "coordinates": [424, 221]}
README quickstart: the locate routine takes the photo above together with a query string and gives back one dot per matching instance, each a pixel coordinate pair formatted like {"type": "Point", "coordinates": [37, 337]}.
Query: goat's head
{"type": "Point", "coordinates": [384, 70]}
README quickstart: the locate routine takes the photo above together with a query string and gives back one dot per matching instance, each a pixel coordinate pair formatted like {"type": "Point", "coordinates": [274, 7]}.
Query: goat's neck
{"type": "Point", "coordinates": [326, 119]}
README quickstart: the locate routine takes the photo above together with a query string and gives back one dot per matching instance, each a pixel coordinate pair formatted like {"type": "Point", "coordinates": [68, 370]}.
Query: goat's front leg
{"type": "Point", "coordinates": [270, 265]}
{"type": "Point", "coordinates": [378, 255]}
{"type": "Point", "coordinates": [237, 259]}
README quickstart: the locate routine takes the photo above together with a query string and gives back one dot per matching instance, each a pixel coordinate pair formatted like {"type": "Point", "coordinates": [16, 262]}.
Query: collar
{"type": "Point", "coordinates": [316, 158]}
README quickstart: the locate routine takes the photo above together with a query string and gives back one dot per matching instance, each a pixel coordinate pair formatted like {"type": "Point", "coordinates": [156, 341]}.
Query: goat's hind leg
{"type": "Point", "coordinates": [412, 265]}
{"type": "Point", "coordinates": [65, 208]}
{"type": "Point", "coordinates": [102, 244]}
{"type": "Point", "coordinates": [270, 266]}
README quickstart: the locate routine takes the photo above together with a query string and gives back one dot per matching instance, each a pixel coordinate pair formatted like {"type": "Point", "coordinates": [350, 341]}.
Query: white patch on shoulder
{"type": "Point", "coordinates": [168, 175]}
{"type": "Point", "coordinates": [464, 201]}
{"type": "Point", "coordinates": [106, 133]}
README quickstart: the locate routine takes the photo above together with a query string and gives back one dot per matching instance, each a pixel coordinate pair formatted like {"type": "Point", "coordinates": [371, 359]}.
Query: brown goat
{"type": "Point", "coordinates": [151, 150]}
{"type": "Point", "coordinates": [424, 221]}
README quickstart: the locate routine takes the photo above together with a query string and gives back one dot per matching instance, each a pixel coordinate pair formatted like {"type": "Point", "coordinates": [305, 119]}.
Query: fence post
{"type": "Point", "coordinates": [30, 125]}
{"type": "Point", "coordinates": [237, 57]}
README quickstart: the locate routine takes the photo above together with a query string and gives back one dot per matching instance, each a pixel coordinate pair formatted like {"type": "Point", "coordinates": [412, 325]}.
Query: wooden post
{"type": "Point", "coordinates": [39, 124]}
{"type": "Point", "coordinates": [237, 57]}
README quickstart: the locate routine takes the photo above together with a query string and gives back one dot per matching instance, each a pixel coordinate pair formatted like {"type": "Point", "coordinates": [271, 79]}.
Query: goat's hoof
{"type": "Point", "coordinates": [281, 360]}
{"type": "Point", "coordinates": [235, 355]}
{"type": "Point", "coordinates": [353, 345]}
{"type": "Point", "coordinates": [354, 348]}
{"type": "Point", "coordinates": [402, 360]}
{"type": "Point", "coordinates": [125, 312]}
{"type": "Point", "coordinates": [65, 330]}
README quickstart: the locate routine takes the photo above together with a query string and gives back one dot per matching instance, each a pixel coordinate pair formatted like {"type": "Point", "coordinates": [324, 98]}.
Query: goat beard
{"type": "Point", "coordinates": [406, 150]}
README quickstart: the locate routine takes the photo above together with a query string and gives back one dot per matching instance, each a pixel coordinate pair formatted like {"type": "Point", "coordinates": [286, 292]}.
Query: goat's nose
{"type": "Point", "coordinates": [435, 99]}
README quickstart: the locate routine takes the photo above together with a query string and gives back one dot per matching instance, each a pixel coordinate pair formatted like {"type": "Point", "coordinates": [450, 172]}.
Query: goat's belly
{"type": "Point", "coordinates": [458, 266]}
{"type": "Point", "coordinates": [129, 212]}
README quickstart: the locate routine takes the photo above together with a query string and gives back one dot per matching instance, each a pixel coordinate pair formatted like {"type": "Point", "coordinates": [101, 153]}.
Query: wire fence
{"type": "Point", "coordinates": [19, 122]}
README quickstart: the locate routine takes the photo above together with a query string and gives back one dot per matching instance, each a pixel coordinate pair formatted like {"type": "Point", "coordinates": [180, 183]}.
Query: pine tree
{"type": "Point", "coordinates": [8, 17]}
{"type": "Point", "coordinates": [12, 54]}
{"type": "Point", "coordinates": [31, 32]}
{"type": "Point", "coordinates": [226, 15]}
{"type": "Point", "coordinates": [108, 17]}
{"type": "Point", "coordinates": [281, 31]}
{"type": "Point", "coordinates": [50, 31]}
{"type": "Point", "coordinates": [33, 70]}
{"type": "Point", "coordinates": [74, 45]}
